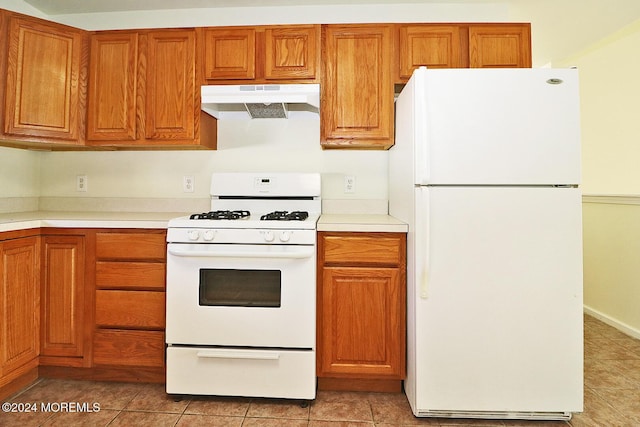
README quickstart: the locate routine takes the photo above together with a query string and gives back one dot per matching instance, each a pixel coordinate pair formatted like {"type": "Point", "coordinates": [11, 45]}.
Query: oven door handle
{"type": "Point", "coordinates": [238, 354]}
{"type": "Point", "coordinates": [295, 252]}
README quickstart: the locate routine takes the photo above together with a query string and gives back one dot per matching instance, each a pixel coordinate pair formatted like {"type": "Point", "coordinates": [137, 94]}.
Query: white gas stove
{"type": "Point", "coordinates": [241, 286]}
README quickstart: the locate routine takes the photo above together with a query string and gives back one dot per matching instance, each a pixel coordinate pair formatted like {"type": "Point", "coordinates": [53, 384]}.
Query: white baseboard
{"type": "Point", "coordinates": [622, 327]}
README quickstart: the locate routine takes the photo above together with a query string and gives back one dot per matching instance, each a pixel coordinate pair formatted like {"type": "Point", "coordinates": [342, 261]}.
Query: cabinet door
{"type": "Point", "coordinates": [500, 46]}
{"type": "Point", "coordinates": [112, 87]}
{"type": "Point", "coordinates": [19, 303]}
{"type": "Point", "coordinates": [435, 46]}
{"type": "Point", "coordinates": [230, 54]}
{"type": "Point", "coordinates": [357, 89]}
{"type": "Point", "coordinates": [63, 296]}
{"type": "Point", "coordinates": [362, 323]}
{"type": "Point", "coordinates": [291, 52]}
{"type": "Point", "coordinates": [4, 24]}
{"type": "Point", "coordinates": [43, 78]}
{"type": "Point", "coordinates": [171, 85]}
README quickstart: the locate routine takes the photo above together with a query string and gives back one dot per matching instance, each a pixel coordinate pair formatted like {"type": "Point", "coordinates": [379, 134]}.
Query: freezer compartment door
{"type": "Point", "coordinates": [497, 126]}
{"type": "Point", "coordinates": [498, 300]}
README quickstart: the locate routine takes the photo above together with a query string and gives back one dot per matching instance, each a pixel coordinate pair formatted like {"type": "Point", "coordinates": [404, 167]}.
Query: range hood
{"type": "Point", "coordinates": [261, 101]}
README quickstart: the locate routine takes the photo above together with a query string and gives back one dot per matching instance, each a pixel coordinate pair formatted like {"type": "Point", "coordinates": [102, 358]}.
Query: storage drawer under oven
{"type": "Point", "coordinates": [277, 373]}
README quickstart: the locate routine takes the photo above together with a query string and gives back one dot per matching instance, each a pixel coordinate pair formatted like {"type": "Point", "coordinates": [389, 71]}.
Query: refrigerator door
{"type": "Point", "coordinates": [497, 126]}
{"type": "Point", "coordinates": [497, 295]}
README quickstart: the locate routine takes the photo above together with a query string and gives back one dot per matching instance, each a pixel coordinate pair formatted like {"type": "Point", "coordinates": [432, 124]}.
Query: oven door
{"type": "Point", "coordinates": [241, 295]}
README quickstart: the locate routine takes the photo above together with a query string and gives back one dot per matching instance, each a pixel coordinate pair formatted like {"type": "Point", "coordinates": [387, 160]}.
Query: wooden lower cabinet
{"type": "Point", "coordinates": [123, 347]}
{"type": "Point", "coordinates": [63, 292]}
{"type": "Point", "coordinates": [19, 311]}
{"type": "Point", "coordinates": [361, 311]}
{"type": "Point", "coordinates": [129, 309]}
{"type": "Point", "coordinates": [129, 316]}
{"type": "Point", "coordinates": [103, 304]}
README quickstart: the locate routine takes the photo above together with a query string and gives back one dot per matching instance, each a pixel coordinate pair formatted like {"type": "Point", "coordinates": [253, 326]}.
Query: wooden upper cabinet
{"type": "Point", "coordinates": [500, 46]}
{"type": "Point", "coordinates": [292, 52]}
{"type": "Point", "coordinates": [230, 53]}
{"type": "Point", "coordinates": [262, 54]}
{"type": "Point", "coordinates": [112, 86]}
{"type": "Point", "coordinates": [357, 89]}
{"type": "Point", "coordinates": [171, 106]}
{"type": "Point", "coordinates": [143, 91]}
{"type": "Point", "coordinates": [4, 19]}
{"type": "Point", "coordinates": [434, 46]}
{"type": "Point", "coordinates": [43, 87]}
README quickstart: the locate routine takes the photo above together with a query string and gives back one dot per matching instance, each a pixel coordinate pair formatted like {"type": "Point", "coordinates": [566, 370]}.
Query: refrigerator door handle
{"type": "Point", "coordinates": [422, 241]}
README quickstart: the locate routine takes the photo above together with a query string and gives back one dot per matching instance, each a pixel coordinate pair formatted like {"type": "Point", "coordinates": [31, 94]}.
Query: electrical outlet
{"type": "Point", "coordinates": [188, 184]}
{"type": "Point", "coordinates": [82, 183]}
{"type": "Point", "coordinates": [349, 184]}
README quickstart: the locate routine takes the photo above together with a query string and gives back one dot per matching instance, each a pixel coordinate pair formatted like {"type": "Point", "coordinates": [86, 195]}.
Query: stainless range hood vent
{"type": "Point", "coordinates": [267, 111]}
{"type": "Point", "coordinates": [261, 101]}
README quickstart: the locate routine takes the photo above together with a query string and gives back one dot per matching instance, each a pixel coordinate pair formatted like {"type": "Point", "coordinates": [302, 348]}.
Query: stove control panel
{"type": "Point", "coordinates": [283, 236]}
{"type": "Point", "coordinates": [241, 236]}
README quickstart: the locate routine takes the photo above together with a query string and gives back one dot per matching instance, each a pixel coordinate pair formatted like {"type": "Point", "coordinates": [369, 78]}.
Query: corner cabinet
{"type": "Point", "coordinates": [357, 87]}
{"type": "Point", "coordinates": [361, 311]}
{"type": "Point", "coordinates": [19, 309]}
{"type": "Point", "coordinates": [261, 54]}
{"type": "Point", "coordinates": [46, 81]}
{"type": "Point", "coordinates": [143, 91]}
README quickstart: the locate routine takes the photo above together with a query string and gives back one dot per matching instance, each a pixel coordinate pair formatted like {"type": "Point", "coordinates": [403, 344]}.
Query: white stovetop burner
{"type": "Point", "coordinates": [253, 196]}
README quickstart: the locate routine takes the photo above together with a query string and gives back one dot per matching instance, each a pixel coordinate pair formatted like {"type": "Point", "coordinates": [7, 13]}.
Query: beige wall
{"type": "Point", "coordinates": [611, 267]}
{"type": "Point", "coordinates": [610, 94]}
{"type": "Point", "coordinates": [269, 145]}
{"type": "Point", "coordinates": [19, 173]}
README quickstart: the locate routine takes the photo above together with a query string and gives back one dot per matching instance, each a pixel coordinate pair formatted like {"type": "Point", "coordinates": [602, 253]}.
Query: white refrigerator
{"type": "Point", "coordinates": [486, 172]}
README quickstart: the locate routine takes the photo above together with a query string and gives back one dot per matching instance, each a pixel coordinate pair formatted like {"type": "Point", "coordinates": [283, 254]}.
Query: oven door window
{"type": "Point", "coordinates": [240, 288]}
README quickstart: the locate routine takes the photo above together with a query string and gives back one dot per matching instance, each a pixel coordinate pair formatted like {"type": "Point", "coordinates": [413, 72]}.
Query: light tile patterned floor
{"type": "Point", "coordinates": [612, 398]}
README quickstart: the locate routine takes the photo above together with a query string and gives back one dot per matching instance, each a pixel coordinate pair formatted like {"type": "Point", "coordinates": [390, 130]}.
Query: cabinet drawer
{"type": "Point", "coordinates": [126, 275]}
{"type": "Point", "coordinates": [241, 372]}
{"type": "Point", "coordinates": [129, 348]}
{"type": "Point", "coordinates": [131, 246]}
{"type": "Point", "coordinates": [130, 309]}
{"type": "Point", "coordinates": [370, 248]}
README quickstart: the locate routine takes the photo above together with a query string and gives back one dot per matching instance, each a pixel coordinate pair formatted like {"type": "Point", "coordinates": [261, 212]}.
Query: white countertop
{"type": "Point", "coordinates": [82, 219]}
{"type": "Point", "coordinates": [25, 220]}
{"type": "Point", "coordinates": [361, 223]}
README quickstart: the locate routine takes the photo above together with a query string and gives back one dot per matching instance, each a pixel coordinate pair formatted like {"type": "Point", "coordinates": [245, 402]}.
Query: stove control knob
{"type": "Point", "coordinates": [208, 235]}
{"type": "Point", "coordinates": [268, 236]}
{"type": "Point", "coordinates": [193, 234]}
{"type": "Point", "coordinates": [285, 236]}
